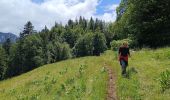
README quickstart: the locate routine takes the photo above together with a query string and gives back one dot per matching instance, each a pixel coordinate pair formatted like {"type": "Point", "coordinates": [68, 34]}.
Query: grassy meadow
{"type": "Point", "coordinates": [144, 70]}
{"type": "Point", "coordinates": [86, 79]}
{"type": "Point", "coordinates": [73, 79]}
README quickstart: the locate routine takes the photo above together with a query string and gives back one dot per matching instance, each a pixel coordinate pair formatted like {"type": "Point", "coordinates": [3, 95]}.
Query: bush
{"type": "Point", "coordinates": [165, 80]}
{"type": "Point", "coordinates": [58, 51]}
{"type": "Point", "coordinates": [162, 55]}
{"type": "Point", "coordinates": [66, 51]}
{"type": "Point", "coordinates": [116, 44]}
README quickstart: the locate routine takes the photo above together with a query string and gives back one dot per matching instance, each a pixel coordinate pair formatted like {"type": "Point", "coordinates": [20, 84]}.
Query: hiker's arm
{"type": "Point", "coordinates": [129, 53]}
{"type": "Point", "coordinates": [119, 53]}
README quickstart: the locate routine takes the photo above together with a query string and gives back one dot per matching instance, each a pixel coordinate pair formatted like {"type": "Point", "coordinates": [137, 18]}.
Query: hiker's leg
{"type": "Point", "coordinates": [123, 65]}
{"type": "Point", "coordinates": [126, 64]}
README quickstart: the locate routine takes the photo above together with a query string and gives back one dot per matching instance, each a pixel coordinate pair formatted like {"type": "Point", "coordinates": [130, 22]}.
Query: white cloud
{"type": "Point", "coordinates": [111, 7]}
{"type": "Point", "coordinates": [110, 13]}
{"type": "Point", "coordinates": [15, 13]}
{"type": "Point", "coordinates": [108, 17]}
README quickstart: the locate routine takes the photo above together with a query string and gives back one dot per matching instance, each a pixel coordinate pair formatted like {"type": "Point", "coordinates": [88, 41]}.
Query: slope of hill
{"type": "Point", "coordinates": [4, 36]}
{"type": "Point", "coordinates": [86, 78]}
{"type": "Point", "coordinates": [67, 80]}
{"type": "Point", "coordinates": [145, 67]}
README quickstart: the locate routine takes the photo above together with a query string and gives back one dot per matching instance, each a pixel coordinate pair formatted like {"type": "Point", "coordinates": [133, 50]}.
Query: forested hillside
{"type": "Point", "coordinates": [77, 38]}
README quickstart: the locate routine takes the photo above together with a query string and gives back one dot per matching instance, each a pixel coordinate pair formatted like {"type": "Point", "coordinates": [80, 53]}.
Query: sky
{"type": "Point", "coordinates": [15, 13]}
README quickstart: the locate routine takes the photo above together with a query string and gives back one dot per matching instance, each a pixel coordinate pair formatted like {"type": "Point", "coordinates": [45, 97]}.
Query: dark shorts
{"type": "Point", "coordinates": [123, 63]}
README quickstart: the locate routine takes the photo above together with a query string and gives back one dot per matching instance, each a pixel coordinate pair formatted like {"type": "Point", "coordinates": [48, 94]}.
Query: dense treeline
{"type": "Point", "coordinates": [146, 22]}
{"type": "Point", "coordinates": [77, 38]}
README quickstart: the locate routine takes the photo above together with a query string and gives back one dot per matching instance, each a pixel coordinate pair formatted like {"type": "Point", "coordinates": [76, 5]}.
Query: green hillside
{"type": "Point", "coordinates": [86, 78]}
{"type": "Point", "coordinates": [66, 80]}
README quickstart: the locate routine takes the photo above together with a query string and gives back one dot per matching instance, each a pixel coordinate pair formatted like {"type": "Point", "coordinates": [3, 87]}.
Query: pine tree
{"type": "Point", "coordinates": [7, 45]}
{"type": "Point", "coordinates": [28, 29]}
{"type": "Point", "coordinates": [80, 21]}
{"type": "Point", "coordinates": [45, 30]}
{"type": "Point", "coordinates": [84, 24]}
{"type": "Point", "coordinates": [91, 24]}
{"type": "Point", "coordinates": [70, 23]}
{"type": "Point", "coordinates": [3, 63]}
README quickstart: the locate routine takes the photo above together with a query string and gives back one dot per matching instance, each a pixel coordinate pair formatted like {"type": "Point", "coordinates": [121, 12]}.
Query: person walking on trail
{"type": "Point", "coordinates": [123, 57]}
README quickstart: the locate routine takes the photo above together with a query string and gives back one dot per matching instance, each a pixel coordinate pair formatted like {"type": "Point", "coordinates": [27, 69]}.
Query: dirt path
{"type": "Point", "coordinates": [111, 92]}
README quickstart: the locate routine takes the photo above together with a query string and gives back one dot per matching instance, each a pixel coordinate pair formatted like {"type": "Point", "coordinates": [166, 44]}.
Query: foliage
{"type": "Point", "coordinates": [165, 80]}
{"type": "Point", "coordinates": [77, 38]}
{"type": "Point", "coordinates": [7, 45]}
{"type": "Point", "coordinates": [90, 44]}
{"type": "Point", "coordinates": [3, 64]}
{"type": "Point", "coordinates": [28, 29]}
{"type": "Point", "coordinates": [70, 37]}
{"type": "Point", "coordinates": [84, 46]}
{"type": "Point", "coordinates": [149, 25]}
{"type": "Point", "coordinates": [116, 44]}
{"type": "Point", "coordinates": [99, 42]}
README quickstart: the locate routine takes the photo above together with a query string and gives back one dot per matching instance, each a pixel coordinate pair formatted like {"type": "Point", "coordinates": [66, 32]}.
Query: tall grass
{"type": "Point", "coordinates": [74, 79]}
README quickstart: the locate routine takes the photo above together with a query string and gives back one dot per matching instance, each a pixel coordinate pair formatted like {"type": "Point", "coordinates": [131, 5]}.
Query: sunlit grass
{"type": "Point", "coordinates": [67, 80]}
{"type": "Point", "coordinates": [144, 84]}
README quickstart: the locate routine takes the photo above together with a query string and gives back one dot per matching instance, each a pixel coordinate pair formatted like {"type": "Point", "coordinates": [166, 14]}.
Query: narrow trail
{"type": "Point", "coordinates": [111, 92]}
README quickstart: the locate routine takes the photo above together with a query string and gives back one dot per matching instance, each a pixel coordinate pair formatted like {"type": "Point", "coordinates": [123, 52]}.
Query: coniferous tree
{"type": "Point", "coordinates": [81, 21]}
{"type": "Point", "coordinates": [84, 24]}
{"type": "Point", "coordinates": [70, 23]}
{"type": "Point", "coordinates": [45, 30]}
{"type": "Point", "coordinates": [3, 63]}
{"type": "Point", "coordinates": [7, 45]}
{"type": "Point", "coordinates": [28, 29]}
{"type": "Point", "coordinates": [14, 66]}
{"type": "Point", "coordinates": [91, 24]}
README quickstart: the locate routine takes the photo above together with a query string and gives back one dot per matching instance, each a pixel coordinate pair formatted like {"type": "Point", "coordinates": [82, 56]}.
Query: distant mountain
{"type": "Point", "coordinates": [4, 36]}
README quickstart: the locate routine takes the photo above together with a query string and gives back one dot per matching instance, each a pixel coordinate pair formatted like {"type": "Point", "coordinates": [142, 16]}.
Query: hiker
{"type": "Point", "coordinates": [123, 57]}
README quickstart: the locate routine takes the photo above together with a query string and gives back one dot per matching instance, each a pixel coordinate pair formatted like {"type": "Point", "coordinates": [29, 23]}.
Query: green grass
{"type": "Point", "coordinates": [86, 79]}
{"type": "Point", "coordinates": [145, 67]}
{"type": "Point", "coordinates": [82, 78]}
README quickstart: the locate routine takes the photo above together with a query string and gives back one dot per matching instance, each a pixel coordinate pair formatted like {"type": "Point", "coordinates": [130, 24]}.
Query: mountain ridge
{"type": "Point", "coordinates": [4, 36]}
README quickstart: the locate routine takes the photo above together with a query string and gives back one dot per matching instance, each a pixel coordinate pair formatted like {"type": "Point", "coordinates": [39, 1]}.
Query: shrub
{"type": "Point", "coordinates": [165, 80]}
{"type": "Point", "coordinates": [116, 44]}
{"type": "Point", "coordinates": [65, 52]}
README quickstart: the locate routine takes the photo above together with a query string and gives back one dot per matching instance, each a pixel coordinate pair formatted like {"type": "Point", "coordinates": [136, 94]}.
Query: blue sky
{"type": "Point", "coordinates": [38, 1]}
{"type": "Point", "coordinates": [15, 13]}
{"type": "Point", "coordinates": [105, 3]}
